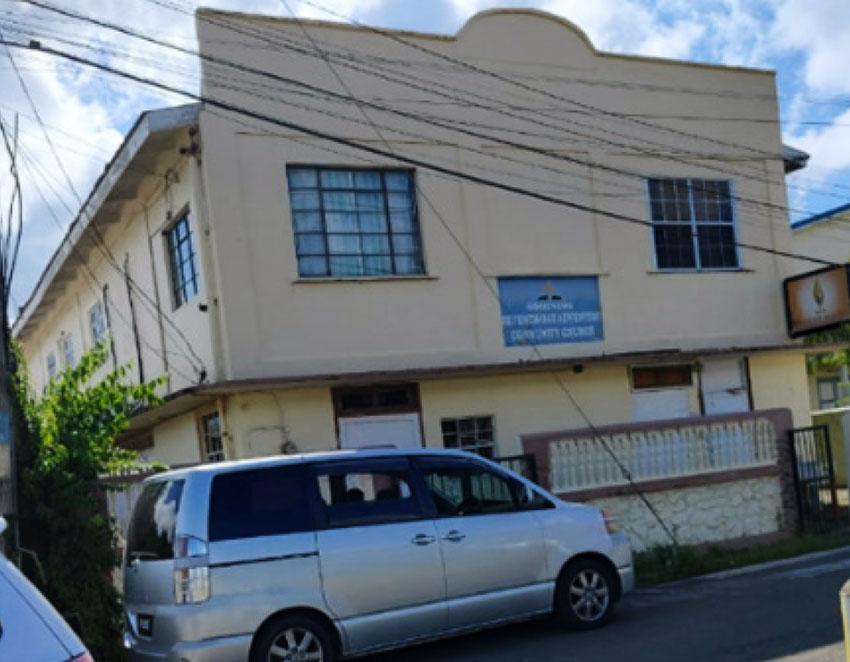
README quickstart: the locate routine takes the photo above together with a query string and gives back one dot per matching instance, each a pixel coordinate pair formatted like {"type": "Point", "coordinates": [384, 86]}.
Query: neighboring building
{"type": "Point", "coordinates": [827, 236]}
{"type": "Point", "coordinates": [300, 295]}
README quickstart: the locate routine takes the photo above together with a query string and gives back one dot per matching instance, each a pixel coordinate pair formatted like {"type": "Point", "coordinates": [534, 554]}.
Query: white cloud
{"type": "Point", "coordinates": [822, 33]}
{"type": "Point", "coordinates": [829, 147]}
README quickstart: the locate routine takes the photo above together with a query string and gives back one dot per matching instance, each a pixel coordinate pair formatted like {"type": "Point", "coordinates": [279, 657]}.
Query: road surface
{"type": "Point", "coordinates": [788, 613]}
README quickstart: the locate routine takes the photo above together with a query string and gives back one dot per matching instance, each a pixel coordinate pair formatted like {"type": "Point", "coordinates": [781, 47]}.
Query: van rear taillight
{"type": "Point", "coordinates": [191, 584]}
{"type": "Point", "coordinates": [85, 657]}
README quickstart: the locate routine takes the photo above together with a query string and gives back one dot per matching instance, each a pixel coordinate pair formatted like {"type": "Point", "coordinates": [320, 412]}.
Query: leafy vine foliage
{"type": "Point", "coordinates": [65, 441]}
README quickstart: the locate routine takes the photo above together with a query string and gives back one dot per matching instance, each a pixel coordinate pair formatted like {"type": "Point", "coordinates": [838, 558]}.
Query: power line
{"type": "Point", "coordinates": [406, 114]}
{"type": "Point", "coordinates": [92, 281]}
{"type": "Point", "coordinates": [90, 227]}
{"type": "Point", "coordinates": [477, 269]}
{"type": "Point", "coordinates": [547, 153]}
{"type": "Point", "coordinates": [418, 162]}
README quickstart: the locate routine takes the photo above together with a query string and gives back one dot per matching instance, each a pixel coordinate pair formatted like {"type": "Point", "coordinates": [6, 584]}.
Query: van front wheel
{"type": "Point", "coordinates": [293, 638]}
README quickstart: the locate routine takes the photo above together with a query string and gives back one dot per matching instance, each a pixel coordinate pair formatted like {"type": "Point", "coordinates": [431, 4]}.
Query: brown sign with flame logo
{"type": "Point", "coordinates": [817, 300]}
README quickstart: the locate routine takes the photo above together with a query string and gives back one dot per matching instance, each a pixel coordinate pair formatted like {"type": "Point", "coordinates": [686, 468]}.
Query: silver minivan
{"type": "Point", "coordinates": [328, 555]}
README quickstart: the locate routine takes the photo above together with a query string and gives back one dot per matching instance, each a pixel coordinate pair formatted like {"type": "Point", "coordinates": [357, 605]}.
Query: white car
{"type": "Point", "coordinates": [31, 630]}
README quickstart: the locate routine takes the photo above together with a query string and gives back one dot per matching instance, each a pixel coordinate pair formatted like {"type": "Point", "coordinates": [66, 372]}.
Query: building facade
{"type": "Point", "coordinates": [563, 245]}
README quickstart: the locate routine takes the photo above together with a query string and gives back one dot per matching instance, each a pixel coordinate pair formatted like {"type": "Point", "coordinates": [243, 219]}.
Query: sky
{"type": "Point", "coordinates": [86, 113]}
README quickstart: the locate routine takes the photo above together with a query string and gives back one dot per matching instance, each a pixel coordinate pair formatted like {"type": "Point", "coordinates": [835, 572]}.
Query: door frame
{"type": "Point", "coordinates": [414, 405]}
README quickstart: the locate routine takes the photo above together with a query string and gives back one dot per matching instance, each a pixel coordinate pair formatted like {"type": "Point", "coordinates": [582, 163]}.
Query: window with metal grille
{"type": "Point", "coordinates": [693, 224]}
{"type": "Point", "coordinates": [212, 446]}
{"type": "Point", "coordinates": [51, 365]}
{"type": "Point", "coordinates": [97, 323]}
{"type": "Point", "coordinates": [472, 433]}
{"type": "Point", "coordinates": [184, 266]}
{"type": "Point", "coordinates": [354, 222]}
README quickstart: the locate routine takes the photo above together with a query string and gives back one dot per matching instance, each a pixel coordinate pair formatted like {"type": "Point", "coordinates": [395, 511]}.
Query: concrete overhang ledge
{"type": "Point", "coordinates": [187, 399]}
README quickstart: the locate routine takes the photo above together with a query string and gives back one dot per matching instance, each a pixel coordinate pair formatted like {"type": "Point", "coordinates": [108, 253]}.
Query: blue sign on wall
{"type": "Point", "coordinates": [548, 311]}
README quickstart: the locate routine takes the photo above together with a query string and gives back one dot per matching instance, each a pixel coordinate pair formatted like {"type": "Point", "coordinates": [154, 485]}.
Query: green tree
{"type": "Point", "coordinates": [835, 358]}
{"type": "Point", "coordinates": [67, 442]}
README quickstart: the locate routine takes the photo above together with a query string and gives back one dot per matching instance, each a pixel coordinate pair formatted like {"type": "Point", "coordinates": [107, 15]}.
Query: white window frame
{"type": "Point", "coordinates": [52, 366]}
{"type": "Point", "coordinates": [179, 280]}
{"type": "Point", "coordinates": [694, 224]}
{"type": "Point", "coordinates": [480, 445]}
{"type": "Point", "coordinates": [404, 261]}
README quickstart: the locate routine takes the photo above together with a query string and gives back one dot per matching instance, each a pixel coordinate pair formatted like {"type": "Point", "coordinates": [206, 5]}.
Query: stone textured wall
{"type": "Point", "coordinates": [704, 514]}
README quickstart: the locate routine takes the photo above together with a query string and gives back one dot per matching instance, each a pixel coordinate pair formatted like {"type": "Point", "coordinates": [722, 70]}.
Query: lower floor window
{"type": "Point", "coordinates": [471, 433]}
{"type": "Point", "coordinates": [211, 438]}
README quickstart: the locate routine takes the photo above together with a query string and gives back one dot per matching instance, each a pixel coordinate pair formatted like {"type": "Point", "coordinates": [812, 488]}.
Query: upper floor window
{"type": "Point", "coordinates": [97, 323]}
{"type": "Point", "coordinates": [66, 347]}
{"type": "Point", "coordinates": [355, 222]}
{"type": "Point", "coordinates": [693, 224]}
{"type": "Point", "coordinates": [51, 365]}
{"type": "Point", "coordinates": [184, 264]}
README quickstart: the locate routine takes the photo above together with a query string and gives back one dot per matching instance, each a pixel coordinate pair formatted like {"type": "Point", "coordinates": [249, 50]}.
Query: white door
{"type": "Point", "coordinates": [391, 431]}
{"type": "Point", "coordinates": [662, 404]}
{"type": "Point", "coordinates": [724, 386]}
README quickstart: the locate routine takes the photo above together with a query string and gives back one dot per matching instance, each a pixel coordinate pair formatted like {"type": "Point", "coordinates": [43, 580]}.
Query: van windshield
{"type": "Point", "coordinates": [150, 535]}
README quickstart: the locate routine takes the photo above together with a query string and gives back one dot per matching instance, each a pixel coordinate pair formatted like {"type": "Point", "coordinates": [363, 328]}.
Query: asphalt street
{"type": "Point", "coordinates": [787, 613]}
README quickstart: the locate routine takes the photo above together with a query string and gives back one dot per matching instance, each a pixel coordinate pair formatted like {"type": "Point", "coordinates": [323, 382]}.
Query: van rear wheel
{"type": "Point", "coordinates": [293, 638]}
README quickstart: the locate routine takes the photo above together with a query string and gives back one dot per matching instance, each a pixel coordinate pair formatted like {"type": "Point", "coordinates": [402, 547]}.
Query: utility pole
{"type": "Point", "coordinates": [11, 224]}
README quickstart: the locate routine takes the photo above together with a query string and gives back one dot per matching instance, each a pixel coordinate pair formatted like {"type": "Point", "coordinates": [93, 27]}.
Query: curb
{"type": "Point", "coordinates": [751, 569]}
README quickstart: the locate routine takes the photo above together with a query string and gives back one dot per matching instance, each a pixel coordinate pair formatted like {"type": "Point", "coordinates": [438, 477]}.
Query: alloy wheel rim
{"type": "Point", "coordinates": [589, 595]}
{"type": "Point", "coordinates": [296, 645]}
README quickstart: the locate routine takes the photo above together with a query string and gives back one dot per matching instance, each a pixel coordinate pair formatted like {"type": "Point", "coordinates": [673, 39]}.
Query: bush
{"type": "Point", "coordinates": [66, 442]}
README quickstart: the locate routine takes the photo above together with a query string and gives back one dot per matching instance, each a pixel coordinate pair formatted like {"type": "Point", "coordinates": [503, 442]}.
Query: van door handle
{"type": "Point", "coordinates": [423, 539]}
{"type": "Point", "coordinates": [454, 536]}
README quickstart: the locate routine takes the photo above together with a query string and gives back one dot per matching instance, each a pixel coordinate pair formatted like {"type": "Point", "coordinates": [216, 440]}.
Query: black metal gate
{"type": "Point", "coordinates": [814, 478]}
{"type": "Point", "coordinates": [524, 465]}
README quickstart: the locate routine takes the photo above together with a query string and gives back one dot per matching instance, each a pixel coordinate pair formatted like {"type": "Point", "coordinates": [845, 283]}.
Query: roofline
{"type": "Point", "coordinates": [341, 25]}
{"type": "Point", "coordinates": [818, 218]}
{"type": "Point", "coordinates": [149, 122]}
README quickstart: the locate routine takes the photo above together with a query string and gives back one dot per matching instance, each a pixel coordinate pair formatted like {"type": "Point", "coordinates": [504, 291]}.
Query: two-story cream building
{"type": "Point", "coordinates": [301, 294]}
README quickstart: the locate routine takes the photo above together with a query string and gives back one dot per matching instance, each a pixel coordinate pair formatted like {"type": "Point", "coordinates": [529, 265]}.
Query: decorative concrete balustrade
{"type": "Point", "coordinates": [662, 452]}
{"type": "Point", "coordinates": [712, 479]}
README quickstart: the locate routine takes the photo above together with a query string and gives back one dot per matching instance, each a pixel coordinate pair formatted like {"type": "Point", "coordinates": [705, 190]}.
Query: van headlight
{"type": "Point", "coordinates": [611, 523]}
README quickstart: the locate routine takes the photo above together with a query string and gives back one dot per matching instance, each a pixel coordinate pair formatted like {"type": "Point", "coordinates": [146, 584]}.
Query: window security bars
{"type": "Point", "coordinates": [184, 267]}
{"type": "Point", "coordinates": [693, 224]}
{"type": "Point", "coordinates": [213, 448]}
{"type": "Point", "coordinates": [353, 223]}
{"type": "Point", "coordinates": [473, 433]}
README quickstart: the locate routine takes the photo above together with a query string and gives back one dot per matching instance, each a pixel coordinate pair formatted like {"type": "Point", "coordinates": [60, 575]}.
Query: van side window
{"type": "Point", "coordinates": [258, 502]}
{"type": "Point", "coordinates": [150, 536]}
{"type": "Point", "coordinates": [460, 488]}
{"type": "Point", "coordinates": [357, 494]}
